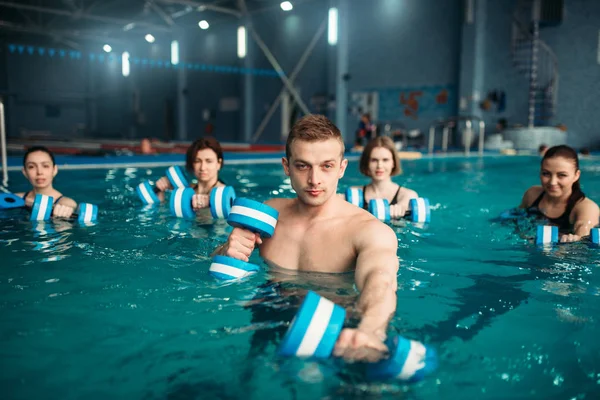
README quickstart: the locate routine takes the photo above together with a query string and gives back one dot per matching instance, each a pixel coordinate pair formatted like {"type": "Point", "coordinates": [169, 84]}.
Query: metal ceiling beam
{"type": "Point", "coordinates": [81, 15]}
{"type": "Point", "coordinates": [165, 17]}
{"type": "Point", "coordinates": [206, 6]}
{"type": "Point", "coordinates": [70, 4]}
{"type": "Point", "coordinates": [273, 61]}
{"type": "Point", "coordinates": [307, 52]}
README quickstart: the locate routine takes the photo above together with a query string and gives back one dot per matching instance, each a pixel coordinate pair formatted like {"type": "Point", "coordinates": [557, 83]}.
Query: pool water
{"type": "Point", "coordinates": [127, 309]}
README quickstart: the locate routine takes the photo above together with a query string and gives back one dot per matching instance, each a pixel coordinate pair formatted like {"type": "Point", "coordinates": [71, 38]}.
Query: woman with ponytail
{"type": "Point", "coordinates": [559, 199]}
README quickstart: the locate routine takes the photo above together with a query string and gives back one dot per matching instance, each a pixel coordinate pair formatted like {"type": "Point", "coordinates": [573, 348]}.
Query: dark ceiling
{"type": "Point", "coordinates": [74, 21]}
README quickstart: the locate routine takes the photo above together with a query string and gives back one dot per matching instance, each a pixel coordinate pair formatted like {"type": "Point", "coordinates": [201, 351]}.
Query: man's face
{"type": "Point", "coordinates": [314, 169]}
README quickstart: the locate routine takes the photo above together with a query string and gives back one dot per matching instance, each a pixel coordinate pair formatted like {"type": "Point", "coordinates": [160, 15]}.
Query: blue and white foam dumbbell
{"type": "Point", "coordinates": [419, 210]}
{"type": "Point", "coordinates": [9, 200]}
{"type": "Point", "coordinates": [43, 205]}
{"type": "Point", "coordinates": [595, 236]}
{"type": "Point", "coordinates": [228, 268]}
{"type": "Point", "coordinates": [355, 196]}
{"type": "Point", "coordinates": [315, 330]}
{"type": "Point", "coordinates": [253, 216]}
{"type": "Point", "coordinates": [409, 361]}
{"type": "Point", "coordinates": [546, 234]}
{"type": "Point", "coordinates": [220, 202]}
{"type": "Point", "coordinates": [148, 193]}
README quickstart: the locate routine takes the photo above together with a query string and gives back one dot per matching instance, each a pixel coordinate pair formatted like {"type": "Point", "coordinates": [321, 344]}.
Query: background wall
{"type": "Point", "coordinates": [398, 46]}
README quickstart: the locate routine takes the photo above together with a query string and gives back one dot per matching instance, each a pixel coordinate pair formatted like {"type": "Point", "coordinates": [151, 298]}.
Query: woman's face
{"type": "Point", "coordinates": [381, 163]}
{"type": "Point", "coordinates": [207, 165]}
{"type": "Point", "coordinates": [558, 175]}
{"type": "Point", "coordinates": [39, 169]}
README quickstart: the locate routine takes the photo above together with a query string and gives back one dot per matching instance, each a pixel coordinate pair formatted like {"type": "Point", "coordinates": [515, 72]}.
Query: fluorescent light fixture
{"type": "Point", "coordinates": [286, 6]}
{"type": "Point", "coordinates": [174, 52]}
{"type": "Point", "coordinates": [129, 26]}
{"type": "Point", "coordinates": [107, 48]}
{"type": "Point", "coordinates": [332, 28]}
{"type": "Point", "coordinates": [149, 38]}
{"type": "Point", "coordinates": [241, 39]}
{"type": "Point", "coordinates": [125, 64]}
{"type": "Point", "coordinates": [203, 24]}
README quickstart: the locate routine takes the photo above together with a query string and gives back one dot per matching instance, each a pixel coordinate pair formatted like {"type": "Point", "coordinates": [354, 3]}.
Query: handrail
{"type": "Point", "coordinates": [447, 123]}
{"type": "Point", "coordinates": [3, 145]}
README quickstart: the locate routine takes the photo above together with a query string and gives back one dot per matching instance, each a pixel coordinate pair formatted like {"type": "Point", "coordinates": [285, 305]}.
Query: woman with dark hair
{"type": "Point", "coordinates": [204, 159]}
{"type": "Point", "coordinates": [559, 199]}
{"type": "Point", "coordinates": [379, 161]}
{"type": "Point", "coordinates": [40, 169]}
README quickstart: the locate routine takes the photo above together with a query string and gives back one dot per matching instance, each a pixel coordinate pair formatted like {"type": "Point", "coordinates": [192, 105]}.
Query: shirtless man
{"type": "Point", "coordinates": [320, 232]}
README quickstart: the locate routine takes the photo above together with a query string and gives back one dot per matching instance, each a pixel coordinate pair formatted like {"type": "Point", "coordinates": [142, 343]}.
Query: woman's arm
{"type": "Point", "coordinates": [586, 216]}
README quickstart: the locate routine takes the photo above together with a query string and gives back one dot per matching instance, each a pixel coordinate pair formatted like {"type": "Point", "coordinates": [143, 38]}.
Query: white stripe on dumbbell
{"type": "Point", "coordinates": [41, 214]}
{"type": "Point", "coordinates": [177, 202]}
{"type": "Point", "coordinates": [316, 328]}
{"type": "Point", "coordinates": [218, 206]}
{"type": "Point", "coordinates": [145, 193]}
{"type": "Point", "coordinates": [175, 177]}
{"type": "Point", "coordinates": [252, 213]}
{"type": "Point", "coordinates": [88, 213]}
{"type": "Point", "coordinates": [547, 238]}
{"type": "Point", "coordinates": [354, 197]}
{"type": "Point", "coordinates": [228, 270]}
{"type": "Point", "coordinates": [414, 360]}
{"type": "Point", "coordinates": [421, 212]}
{"type": "Point", "coordinates": [380, 209]}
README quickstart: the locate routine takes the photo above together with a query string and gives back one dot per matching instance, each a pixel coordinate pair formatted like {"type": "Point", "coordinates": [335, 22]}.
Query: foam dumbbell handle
{"type": "Point", "coordinates": [254, 216]}
{"type": "Point", "coordinates": [228, 268]}
{"type": "Point", "coordinates": [9, 200]}
{"type": "Point", "coordinates": [355, 196]}
{"type": "Point", "coordinates": [43, 206]}
{"type": "Point", "coordinates": [546, 234]}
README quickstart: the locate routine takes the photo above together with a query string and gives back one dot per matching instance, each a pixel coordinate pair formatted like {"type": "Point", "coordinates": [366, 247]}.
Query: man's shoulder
{"type": "Point", "coordinates": [372, 233]}
{"type": "Point", "coordinates": [279, 203]}
{"type": "Point", "coordinates": [362, 221]}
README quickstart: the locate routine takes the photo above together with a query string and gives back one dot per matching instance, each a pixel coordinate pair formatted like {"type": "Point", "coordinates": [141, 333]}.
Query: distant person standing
{"type": "Point", "coordinates": [366, 129]}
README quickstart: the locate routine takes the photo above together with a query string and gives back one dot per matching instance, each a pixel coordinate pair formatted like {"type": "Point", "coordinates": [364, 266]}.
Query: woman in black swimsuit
{"type": "Point", "coordinates": [40, 169]}
{"type": "Point", "coordinates": [379, 161]}
{"type": "Point", "coordinates": [204, 159]}
{"type": "Point", "coordinates": [559, 199]}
